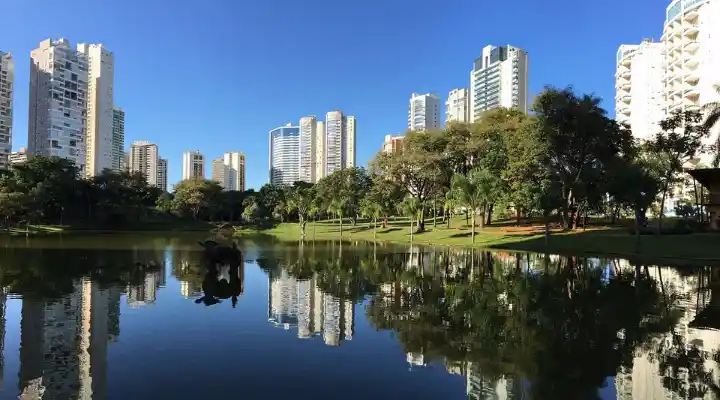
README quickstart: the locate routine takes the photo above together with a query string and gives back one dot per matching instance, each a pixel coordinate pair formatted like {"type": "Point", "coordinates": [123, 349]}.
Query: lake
{"type": "Point", "coordinates": [140, 316]}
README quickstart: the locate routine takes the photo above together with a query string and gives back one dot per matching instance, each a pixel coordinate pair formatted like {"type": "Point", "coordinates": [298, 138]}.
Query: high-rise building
{"type": "Point", "coordinates": [392, 144]}
{"type": "Point", "coordinates": [162, 174]}
{"type": "Point", "coordinates": [118, 139]}
{"type": "Point", "coordinates": [58, 95]}
{"type": "Point", "coordinates": [234, 171]}
{"type": "Point", "coordinates": [639, 99]}
{"type": "Point", "coordinates": [320, 150]}
{"type": "Point", "coordinates": [339, 148]}
{"type": "Point", "coordinates": [691, 39]}
{"type": "Point", "coordinates": [144, 158]}
{"type": "Point", "coordinates": [20, 156]}
{"type": "Point", "coordinates": [499, 79]}
{"type": "Point", "coordinates": [126, 161]}
{"type": "Point", "coordinates": [310, 135]}
{"type": "Point", "coordinates": [193, 165]}
{"type": "Point", "coordinates": [218, 171]}
{"type": "Point", "coordinates": [7, 76]}
{"type": "Point", "coordinates": [99, 127]}
{"type": "Point", "coordinates": [457, 106]}
{"type": "Point", "coordinates": [285, 155]}
{"type": "Point", "coordinates": [424, 112]}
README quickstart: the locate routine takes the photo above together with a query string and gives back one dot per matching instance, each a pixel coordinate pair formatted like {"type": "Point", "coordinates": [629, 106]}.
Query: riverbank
{"type": "Point", "coordinates": [147, 226]}
{"type": "Point", "coordinates": [596, 240]}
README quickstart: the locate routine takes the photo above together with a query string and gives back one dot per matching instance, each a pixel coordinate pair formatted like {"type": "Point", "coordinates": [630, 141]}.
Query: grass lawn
{"type": "Point", "coordinates": [89, 227]}
{"type": "Point", "coordinates": [596, 240]}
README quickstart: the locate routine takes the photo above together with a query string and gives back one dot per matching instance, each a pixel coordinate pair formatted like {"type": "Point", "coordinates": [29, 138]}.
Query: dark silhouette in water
{"type": "Point", "coordinates": [220, 283]}
{"type": "Point", "coordinates": [216, 253]}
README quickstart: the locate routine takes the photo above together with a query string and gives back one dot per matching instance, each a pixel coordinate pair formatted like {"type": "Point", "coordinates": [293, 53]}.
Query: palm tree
{"type": "Point", "coordinates": [338, 206]}
{"type": "Point", "coordinates": [712, 119]}
{"type": "Point", "coordinates": [372, 210]}
{"type": "Point", "coordinates": [475, 191]}
{"type": "Point", "coordinates": [410, 206]}
{"type": "Point", "coordinates": [450, 205]}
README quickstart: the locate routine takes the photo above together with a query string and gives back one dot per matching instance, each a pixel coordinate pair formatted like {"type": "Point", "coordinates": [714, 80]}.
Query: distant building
{"type": "Point", "coordinates": [118, 139]}
{"type": "Point", "coordinates": [339, 147]}
{"type": "Point", "coordinates": [144, 158]}
{"type": "Point", "coordinates": [424, 112]}
{"type": "Point", "coordinates": [162, 174]}
{"type": "Point", "coordinates": [193, 165]}
{"type": "Point", "coordinates": [7, 76]}
{"type": "Point", "coordinates": [392, 144]}
{"type": "Point", "coordinates": [218, 171]}
{"type": "Point", "coordinates": [284, 155]}
{"type": "Point", "coordinates": [457, 106]}
{"type": "Point", "coordinates": [499, 78]}
{"type": "Point", "coordinates": [20, 156]}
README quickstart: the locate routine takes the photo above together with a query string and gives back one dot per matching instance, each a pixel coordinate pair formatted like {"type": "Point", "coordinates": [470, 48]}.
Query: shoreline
{"type": "Point", "coordinates": [697, 247]}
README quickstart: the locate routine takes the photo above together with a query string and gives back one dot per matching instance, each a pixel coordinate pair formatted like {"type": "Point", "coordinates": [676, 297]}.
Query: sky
{"type": "Point", "coordinates": [218, 75]}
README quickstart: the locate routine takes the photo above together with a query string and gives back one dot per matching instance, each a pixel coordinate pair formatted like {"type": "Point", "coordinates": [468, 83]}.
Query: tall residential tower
{"type": "Point", "coordinates": [639, 97]}
{"type": "Point", "coordinates": [58, 96]}
{"type": "Point", "coordinates": [193, 165]}
{"type": "Point", "coordinates": [285, 155]}
{"type": "Point", "coordinates": [118, 139]}
{"type": "Point", "coordinates": [499, 79]}
{"type": "Point", "coordinates": [424, 112]}
{"type": "Point", "coordinates": [99, 149]}
{"type": "Point", "coordinates": [7, 74]}
{"type": "Point", "coordinates": [457, 106]}
{"type": "Point", "coordinates": [339, 150]}
{"type": "Point", "coordinates": [143, 158]}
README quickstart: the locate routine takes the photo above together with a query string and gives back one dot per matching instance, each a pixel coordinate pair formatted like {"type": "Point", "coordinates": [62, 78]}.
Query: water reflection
{"type": "Point", "coordinates": [514, 326]}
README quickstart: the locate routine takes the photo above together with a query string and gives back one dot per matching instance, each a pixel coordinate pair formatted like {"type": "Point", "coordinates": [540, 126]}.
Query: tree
{"type": "Point", "coordinates": [410, 207]}
{"type": "Point", "coordinates": [301, 200]}
{"type": "Point", "coordinates": [634, 188]}
{"type": "Point", "coordinates": [712, 119]}
{"type": "Point", "coordinates": [348, 184]}
{"type": "Point", "coordinates": [371, 209]}
{"type": "Point", "coordinates": [421, 167]}
{"type": "Point", "coordinates": [679, 143]}
{"type": "Point", "coordinates": [476, 191]}
{"type": "Point", "coordinates": [195, 196]}
{"type": "Point", "coordinates": [578, 138]}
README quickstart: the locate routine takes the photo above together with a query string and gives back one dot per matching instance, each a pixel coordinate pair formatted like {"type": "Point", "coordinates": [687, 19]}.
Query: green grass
{"type": "Point", "coordinates": [89, 227]}
{"type": "Point", "coordinates": [596, 240]}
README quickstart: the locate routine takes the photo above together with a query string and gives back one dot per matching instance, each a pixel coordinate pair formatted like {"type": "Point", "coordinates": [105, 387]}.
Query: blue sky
{"type": "Point", "coordinates": [217, 75]}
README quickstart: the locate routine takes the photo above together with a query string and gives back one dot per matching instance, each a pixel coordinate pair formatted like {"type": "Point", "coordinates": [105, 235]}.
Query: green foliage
{"type": "Point", "coordinates": [194, 197]}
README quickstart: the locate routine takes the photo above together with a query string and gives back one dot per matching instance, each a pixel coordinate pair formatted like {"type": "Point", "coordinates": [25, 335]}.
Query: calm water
{"type": "Point", "coordinates": [80, 319]}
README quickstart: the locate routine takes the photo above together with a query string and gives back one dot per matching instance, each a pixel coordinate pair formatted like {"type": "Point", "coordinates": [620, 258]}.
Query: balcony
{"type": "Point", "coordinates": [691, 16]}
{"type": "Point", "coordinates": [691, 47]}
{"type": "Point", "coordinates": [624, 85]}
{"type": "Point", "coordinates": [626, 99]}
{"type": "Point", "coordinates": [691, 93]}
{"type": "Point", "coordinates": [626, 62]}
{"type": "Point", "coordinates": [691, 31]}
{"type": "Point", "coordinates": [624, 110]}
{"type": "Point", "coordinates": [692, 76]}
{"type": "Point", "coordinates": [690, 62]}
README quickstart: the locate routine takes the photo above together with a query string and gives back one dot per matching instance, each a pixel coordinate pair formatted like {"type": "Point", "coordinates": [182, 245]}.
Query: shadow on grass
{"type": "Point", "coordinates": [703, 247]}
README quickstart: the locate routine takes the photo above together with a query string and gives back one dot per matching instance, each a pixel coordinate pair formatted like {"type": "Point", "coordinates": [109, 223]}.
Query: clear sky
{"type": "Point", "coordinates": [217, 75]}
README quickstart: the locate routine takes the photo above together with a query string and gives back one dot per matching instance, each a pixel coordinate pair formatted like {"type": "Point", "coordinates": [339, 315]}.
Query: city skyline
{"type": "Point", "coordinates": [588, 74]}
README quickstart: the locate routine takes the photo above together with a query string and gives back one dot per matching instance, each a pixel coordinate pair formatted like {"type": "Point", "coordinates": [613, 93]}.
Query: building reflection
{"type": "Point", "coordinates": [145, 292]}
{"type": "Point", "coordinates": [64, 343]}
{"type": "Point", "coordinates": [300, 304]}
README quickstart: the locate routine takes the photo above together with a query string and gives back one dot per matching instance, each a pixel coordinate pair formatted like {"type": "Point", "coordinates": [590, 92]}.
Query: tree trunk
{"type": "Point", "coordinates": [434, 214]}
{"type": "Point", "coordinates": [411, 229]}
{"type": "Point", "coordinates": [585, 220]}
{"type": "Point", "coordinates": [302, 228]}
{"type": "Point", "coordinates": [546, 217]}
{"type": "Point", "coordinates": [421, 220]}
{"type": "Point", "coordinates": [374, 228]}
{"type": "Point", "coordinates": [482, 218]}
{"type": "Point", "coordinates": [448, 217]}
{"type": "Point", "coordinates": [489, 214]}
{"type": "Point", "coordinates": [341, 225]}
{"type": "Point", "coordinates": [517, 216]}
{"type": "Point", "coordinates": [467, 217]}
{"type": "Point", "coordinates": [637, 230]}
{"type": "Point", "coordinates": [472, 233]}
{"type": "Point", "coordinates": [662, 209]}
{"type": "Point", "coordinates": [613, 216]}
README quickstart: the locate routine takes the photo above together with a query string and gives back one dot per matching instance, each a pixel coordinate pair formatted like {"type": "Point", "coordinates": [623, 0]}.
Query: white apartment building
{"type": "Point", "coordinates": [162, 174]}
{"type": "Point", "coordinates": [58, 95]}
{"type": "Point", "coordinates": [235, 178]}
{"type": "Point", "coordinates": [639, 90]}
{"type": "Point", "coordinates": [229, 171]}
{"type": "Point", "coordinates": [424, 112]}
{"type": "Point", "coordinates": [193, 165]}
{"type": "Point", "coordinates": [457, 106]}
{"type": "Point", "coordinates": [99, 149]}
{"type": "Point", "coordinates": [499, 79]}
{"type": "Point", "coordinates": [320, 150]}
{"type": "Point", "coordinates": [144, 158]}
{"type": "Point", "coordinates": [18, 157]}
{"type": "Point", "coordinates": [310, 135]}
{"type": "Point", "coordinates": [392, 144]}
{"type": "Point", "coordinates": [285, 155]}
{"type": "Point", "coordinates": [7, 76]}
{"type": "Point", "coordinates": [340, 132]}
{"type": "Point", "coordinates": [118, 139]}
{"type": "Point", "coordinates": [691, 39]}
